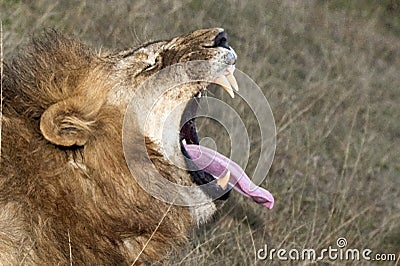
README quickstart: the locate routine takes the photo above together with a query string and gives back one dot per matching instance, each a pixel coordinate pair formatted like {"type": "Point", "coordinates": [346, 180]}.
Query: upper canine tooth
{"type": "Point", "coordinates": [232, 80]}
{"type": "Point", "coordinates": [223, 181]}
{"type": "Point", "coordinates": [224, 83]}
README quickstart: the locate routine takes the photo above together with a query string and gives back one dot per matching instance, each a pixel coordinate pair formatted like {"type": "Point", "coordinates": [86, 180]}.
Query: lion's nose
{"type": "Point", "coordinates": [221, 40]}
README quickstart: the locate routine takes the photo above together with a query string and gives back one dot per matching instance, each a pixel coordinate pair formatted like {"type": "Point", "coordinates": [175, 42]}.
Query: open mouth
{"type": "Point", "coordinates": [188, 136]}
{"type": "Point", "coordinates": [206, 165]}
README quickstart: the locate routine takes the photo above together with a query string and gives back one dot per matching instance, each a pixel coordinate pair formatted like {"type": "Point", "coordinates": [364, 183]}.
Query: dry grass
{"type": "Point", "coordinates": [331, 74]}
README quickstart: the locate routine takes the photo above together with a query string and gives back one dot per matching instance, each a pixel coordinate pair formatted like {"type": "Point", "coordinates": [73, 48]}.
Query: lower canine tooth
{"type": "Point", "coordinates": [223, 181]}
{"type": "Point", "coordinates": [224, 83]}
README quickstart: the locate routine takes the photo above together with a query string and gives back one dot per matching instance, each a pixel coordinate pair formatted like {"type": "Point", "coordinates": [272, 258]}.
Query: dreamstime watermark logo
{"type": "Point", "coordinates": [155, 114]}
{"type": "Point", "coordinates": [339, 252]}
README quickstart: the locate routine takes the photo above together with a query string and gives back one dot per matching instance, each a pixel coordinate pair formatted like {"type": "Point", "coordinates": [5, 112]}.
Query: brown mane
{"type": "Point", "coordinates": [48, 206]}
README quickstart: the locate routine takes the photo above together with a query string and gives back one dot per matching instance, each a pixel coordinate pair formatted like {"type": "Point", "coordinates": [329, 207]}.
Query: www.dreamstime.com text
{"type": "Point", "coordinates": [332, 253]}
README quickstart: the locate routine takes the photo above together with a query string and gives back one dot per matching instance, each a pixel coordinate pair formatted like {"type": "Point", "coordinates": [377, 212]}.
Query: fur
{"type": "Point", "coordinates": [66, 193]}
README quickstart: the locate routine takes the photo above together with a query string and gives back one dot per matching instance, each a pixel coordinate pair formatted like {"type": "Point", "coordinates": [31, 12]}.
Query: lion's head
{"type": "Point", "coordinates": [65, 179]}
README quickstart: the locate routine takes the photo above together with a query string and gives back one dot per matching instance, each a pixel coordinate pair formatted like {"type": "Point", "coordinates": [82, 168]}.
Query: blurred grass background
{"type": "Point", "coordinates": [331, 72]}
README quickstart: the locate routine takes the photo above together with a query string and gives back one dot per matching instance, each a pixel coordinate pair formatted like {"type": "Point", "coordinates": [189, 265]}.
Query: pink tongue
{"type": "Point", "coordinates": [217, 165]}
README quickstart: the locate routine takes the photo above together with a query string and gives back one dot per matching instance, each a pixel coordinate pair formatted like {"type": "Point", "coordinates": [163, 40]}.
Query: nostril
{"type": "Point", "coordinates": [221, 40]}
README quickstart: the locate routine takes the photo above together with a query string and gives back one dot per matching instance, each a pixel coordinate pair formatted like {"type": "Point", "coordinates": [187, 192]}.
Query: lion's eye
{"type": "Point", "coordinates": [150, 67]}
{"type": "Point", "coordinates": [153, 65]}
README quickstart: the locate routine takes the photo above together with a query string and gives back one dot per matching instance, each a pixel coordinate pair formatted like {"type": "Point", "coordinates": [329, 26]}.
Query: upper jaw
{"type": "Point", "coordinates": [231, 56]}
{"type": "Point", "coordinates": [213, 62]}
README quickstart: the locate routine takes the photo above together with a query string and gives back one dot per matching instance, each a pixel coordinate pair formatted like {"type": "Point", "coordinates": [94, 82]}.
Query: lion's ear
{"type": "Point", "coordinates": [67, 123]}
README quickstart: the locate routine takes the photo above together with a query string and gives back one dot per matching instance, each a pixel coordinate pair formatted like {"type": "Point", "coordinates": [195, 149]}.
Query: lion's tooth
{"type": "Point", "coordinates": [224, 83]}
{"type": "Point", "coordinates": [232, 80]}
{"type": "Point", "coordinates": [223, 181]}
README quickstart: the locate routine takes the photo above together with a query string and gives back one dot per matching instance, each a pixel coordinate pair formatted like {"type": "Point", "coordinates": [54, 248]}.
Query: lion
{"type": "Point", "coordinates": [68, 191]}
